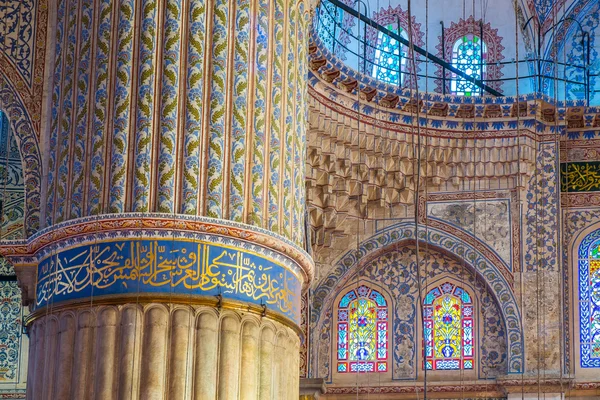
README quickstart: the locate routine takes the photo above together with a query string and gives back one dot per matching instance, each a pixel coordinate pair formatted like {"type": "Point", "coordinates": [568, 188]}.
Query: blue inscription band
{"type": "Point", "coordinates": [176, 267]}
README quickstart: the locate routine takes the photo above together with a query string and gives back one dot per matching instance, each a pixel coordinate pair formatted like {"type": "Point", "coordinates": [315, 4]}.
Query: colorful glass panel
{"type": "Point", "coordinates": [329, 24]}
{"type": "Point", "coordinates": [589, 296]}
{"type": "Point", "coordinates": [389, 60]}
{"type": "Point", "coordinates": [448, 328]}
{"type": "Point", "coordinates": [362, 341]}
{"type": "Point", "coordinates": [468, 55]}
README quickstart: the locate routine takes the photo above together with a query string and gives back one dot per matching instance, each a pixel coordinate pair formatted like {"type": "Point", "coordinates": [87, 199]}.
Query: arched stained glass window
{"type": "Point", "coordinates": [468, 55]}
{"type": "Point", "coordinates": [390, 58]}
{"type": "Point", "coordinates": [448, 328]}
{"type": "Point", "coordinates": [589, 300]}
{"type": "Point", "coordinates": [362, 331]}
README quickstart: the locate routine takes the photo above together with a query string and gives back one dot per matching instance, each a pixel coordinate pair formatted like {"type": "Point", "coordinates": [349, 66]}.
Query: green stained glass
{"type": "Point", "coordinates": [468, 55]}
{"type": "Point", "coordinates": [595, 250]}
{"type": "Point", "coordinates": [389, 60]}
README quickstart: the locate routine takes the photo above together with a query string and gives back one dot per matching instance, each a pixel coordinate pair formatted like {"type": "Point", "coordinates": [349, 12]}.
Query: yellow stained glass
{"type": "Point", "coordinates": [447, 328]}
{"type": "Point", "coordinates": [362, 340]}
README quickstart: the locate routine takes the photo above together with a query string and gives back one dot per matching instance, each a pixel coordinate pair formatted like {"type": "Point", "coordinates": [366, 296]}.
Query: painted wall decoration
{"type": "Point", "coordinates": [168, 267]}
{"type": "Point", "coordinates": [12, 185]}
{"type": "Point", "coordinates": [13, 343]}
{"type": "Point", "coordinates": [22, 53]}
{"type": "Point", "coordinates": [362, 331]}
{"type": "Point", "coordinates": [579, 54]}
{"type": "Point", "coordinates": [449, 328]}
{"type": "Point", "coordinates": [589, 300]}
{"type": "Point", "coordinates": [17, 37]}
{"type": "Point", "coordinates": [22, 128]}
{"type": "Point", "coordinates": [541, 212]}
{"type": "Point", "coordinates": [580, 176]}
{"type": "Point", "coordinates": [240, 137]}
{"type": "Point", "coordinates": [477, 217]}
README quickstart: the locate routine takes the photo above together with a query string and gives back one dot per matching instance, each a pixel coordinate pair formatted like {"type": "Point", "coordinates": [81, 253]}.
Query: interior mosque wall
{"type": "Point", "coordinates": [492, 218]}
{"type": "Point", "coordinates": [502, 201]}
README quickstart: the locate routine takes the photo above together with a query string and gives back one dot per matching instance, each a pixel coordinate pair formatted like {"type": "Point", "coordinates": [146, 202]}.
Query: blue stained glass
{"type": "Point", "coordinates": [379, 299]}
{"type": "Point", "coordinates": [347, 299]}
{"type": "Point", "coordinates": [429, 298]}
{"type": "Point", "coordinates": [468, 55]}
{"type": "Point", "coordinates": [328, 22]}
{"type": "Point", "coordinates": [389, 62]}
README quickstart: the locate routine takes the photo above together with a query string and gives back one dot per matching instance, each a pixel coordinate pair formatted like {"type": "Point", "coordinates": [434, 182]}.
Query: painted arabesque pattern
{"type": "Point", "coordinates": [219, 139]}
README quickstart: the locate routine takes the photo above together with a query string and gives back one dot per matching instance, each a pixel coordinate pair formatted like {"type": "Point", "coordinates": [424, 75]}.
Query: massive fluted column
{"type": "Point", "coordinates": [171, 265]}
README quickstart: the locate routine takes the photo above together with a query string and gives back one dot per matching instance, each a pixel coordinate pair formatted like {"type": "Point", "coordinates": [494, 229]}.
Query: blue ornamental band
{"type": "Point", "coordinates": [168, 267]}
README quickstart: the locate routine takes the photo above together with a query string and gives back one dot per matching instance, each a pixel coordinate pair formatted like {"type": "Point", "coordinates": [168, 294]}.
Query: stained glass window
{"type": "Point", "coordinates": [390, 58]}
{"type": "Point", "coordinates": [362, 331]}
{"type": "Point", "coordinates": [329, 24]}
{"type": "Point", "coordinates": [468, 55]}
{"type": "Point", "coordinates": [448, 328]}
{"type": "Point", "coordinates": [589, 296]}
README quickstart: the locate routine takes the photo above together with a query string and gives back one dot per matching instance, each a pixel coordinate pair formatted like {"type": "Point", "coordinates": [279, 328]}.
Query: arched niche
{"type": "Point", "coordinates": [586, 300]}
{"type": "Point", "coordinates": [12, 184]}
{"type": "Point", "coordinates": [13, 344]}
{"type": "Point", "coordinates": [27, 143]}
{"type": "Point", "coordinates": [480, 268]}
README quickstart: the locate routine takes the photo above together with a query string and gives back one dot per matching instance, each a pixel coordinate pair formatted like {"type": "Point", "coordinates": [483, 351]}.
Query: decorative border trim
{"type": "Point", "coordinates": [580, 200]}
{"type": "Point", "coordinates": [413, 389]}
{"type": "Point", "coordinates": [27, 141]}
{"type": "Point", "coordinates": [161, 223]}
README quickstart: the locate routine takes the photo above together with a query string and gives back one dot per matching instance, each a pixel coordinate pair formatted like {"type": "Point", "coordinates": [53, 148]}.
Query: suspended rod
{"type": "Point", "coordinates": [418, 49]}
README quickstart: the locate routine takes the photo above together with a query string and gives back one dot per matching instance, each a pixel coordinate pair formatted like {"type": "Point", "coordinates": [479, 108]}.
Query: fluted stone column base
{"type": "Point", "coordinates": [161, 351]}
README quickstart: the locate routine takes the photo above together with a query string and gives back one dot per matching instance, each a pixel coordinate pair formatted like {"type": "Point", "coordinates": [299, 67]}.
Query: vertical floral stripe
{"type": "Point", "coordinates": [100, 108]}
{"type": "Point", "coordinates": [301, 121]}
{"type": "Point", "coordinates": [120, 140]}
{"type": "Point", "coordinates": [170, 103]}
{"type": "Point", "coordinates": [240, 107]}
{"type": "Point", "coordinates": [260, 100]}
{"type": "Point", "coordinates": [217, 111]}
{"type": "Point", "coordinates": [56, 114]}
{"type": "Point", "coordinates": [276, 100]}
{"type": "Point", "coordinates": [145, 107]}
{"type": "Point", "coordinates": [64, 138]}
{"type": "Point", "coordinates": [290, 132]}
{"type": "Point", "coordinates": [194, 107]}
{"type": "Point", "coordinates": [81, 117]}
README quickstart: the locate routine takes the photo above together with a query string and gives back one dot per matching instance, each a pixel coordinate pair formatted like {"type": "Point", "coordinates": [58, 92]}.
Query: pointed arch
{"type": "Point", "coordinates": [27, 142]}
{"type": "Point", "coordinates": [494, 49]}
{"type": "Point", "coordinates": [439, 240]}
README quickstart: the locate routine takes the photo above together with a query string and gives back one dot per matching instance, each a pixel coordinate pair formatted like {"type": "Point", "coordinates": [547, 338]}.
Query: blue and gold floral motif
{"type": "Point", "coordinates": [169, 267]}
